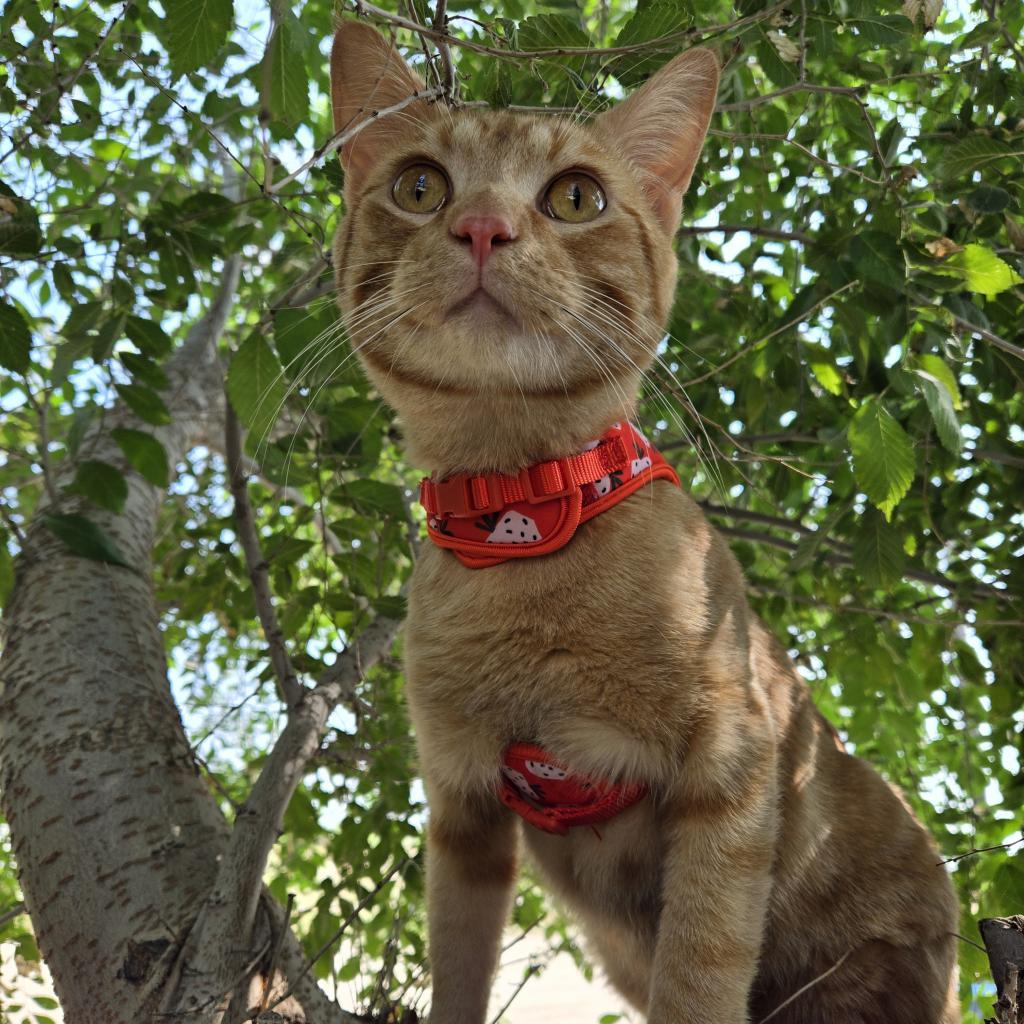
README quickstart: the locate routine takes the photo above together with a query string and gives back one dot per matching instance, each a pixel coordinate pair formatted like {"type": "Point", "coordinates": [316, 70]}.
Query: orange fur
{"type": "Point", "coordinates": [764, 854]}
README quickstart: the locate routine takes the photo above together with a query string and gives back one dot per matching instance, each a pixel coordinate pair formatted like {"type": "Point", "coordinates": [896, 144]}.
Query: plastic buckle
{"type": "Point", "coordinates": [534, 495]}
{"type": "Point", "coordinates": [454, 497]}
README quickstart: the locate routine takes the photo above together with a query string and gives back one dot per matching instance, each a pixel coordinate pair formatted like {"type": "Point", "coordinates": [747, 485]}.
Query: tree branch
{"type": "Point", "coordinates": [981, 592]}
{"type": "Point", "coordinates": [227, 917]}
{"type": "Point", "coordinates": [767, 97]}
{"type": "Point", "coordinates": [448, 77]}
{"type": "Point", "coordinates": [751, 229]}
{"type": "Point", "coordinates": [669, 40]}
{"type": "Point", "coordinates": [993, 339]}
{"type": "Point", "coordinates": [339, 138]}
{"type": "Point", "coordinates": [289, 687]}
{"type": "Point", "coordinates": [345, 924]}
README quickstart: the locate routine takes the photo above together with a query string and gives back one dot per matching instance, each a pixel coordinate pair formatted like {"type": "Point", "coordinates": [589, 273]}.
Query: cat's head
{"type": "Point", "coordinates": [487, 256]}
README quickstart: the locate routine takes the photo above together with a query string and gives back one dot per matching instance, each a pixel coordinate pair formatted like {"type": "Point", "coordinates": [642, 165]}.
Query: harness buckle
{"type": "Point", "coordinates": [546, 480]}
{"type": "Point", "coordinates": [458, 496]}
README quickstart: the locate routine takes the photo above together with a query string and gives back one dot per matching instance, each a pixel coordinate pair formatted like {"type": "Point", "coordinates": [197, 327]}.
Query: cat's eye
{"type": "Point", "coordinates": [421, 188]}
{"type": "Point", "coordinates": [574, 197]}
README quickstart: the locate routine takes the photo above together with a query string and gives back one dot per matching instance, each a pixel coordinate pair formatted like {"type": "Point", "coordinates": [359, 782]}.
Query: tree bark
{"type": "Point", "coordinates": [1004, 943]}
{"type": "Point", "coordinates": [115, 832]}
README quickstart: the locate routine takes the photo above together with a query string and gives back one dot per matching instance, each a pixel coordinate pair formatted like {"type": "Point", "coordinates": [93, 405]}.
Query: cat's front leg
{"type": "Point", "coordinates": [716, 886]}
{"type": "Point", "coordinates": [472, 846]}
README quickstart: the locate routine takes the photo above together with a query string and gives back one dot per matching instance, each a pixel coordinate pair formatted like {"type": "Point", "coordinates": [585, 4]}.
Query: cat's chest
{"type": "Point", "coordinates": [588, 648]}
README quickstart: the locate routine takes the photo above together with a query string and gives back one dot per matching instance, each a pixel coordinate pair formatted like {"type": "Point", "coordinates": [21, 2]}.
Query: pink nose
{"type": "Point", "coordinates": [483, 233]}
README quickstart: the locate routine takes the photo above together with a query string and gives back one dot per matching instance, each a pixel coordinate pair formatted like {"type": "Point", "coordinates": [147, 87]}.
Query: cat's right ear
{"type": "Point", "coordinates": [660, 128]}
{"type": "Point", "coordinates": [367, 76]}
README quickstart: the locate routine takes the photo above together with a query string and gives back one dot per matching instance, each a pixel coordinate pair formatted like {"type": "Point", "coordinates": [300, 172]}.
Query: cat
{"type": "Point", "coordinates": [505, 279]}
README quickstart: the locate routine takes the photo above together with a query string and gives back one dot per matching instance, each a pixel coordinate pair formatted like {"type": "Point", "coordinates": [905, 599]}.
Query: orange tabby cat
{"type": "Point", "coordinates": [508, 321]}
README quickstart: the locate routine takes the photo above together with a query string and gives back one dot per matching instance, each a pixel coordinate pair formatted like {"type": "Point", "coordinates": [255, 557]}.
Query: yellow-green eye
{"type": "Point", "coordinates": [421, 189]}
{"type": "Point", "coordinates": [574, 197]}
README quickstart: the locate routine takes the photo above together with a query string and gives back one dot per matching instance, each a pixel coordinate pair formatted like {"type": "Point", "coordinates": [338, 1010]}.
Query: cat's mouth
{"type": "Point", "coordinates": [479, 303]}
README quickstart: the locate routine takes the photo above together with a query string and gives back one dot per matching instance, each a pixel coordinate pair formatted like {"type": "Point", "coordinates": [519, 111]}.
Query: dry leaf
{"type": "Point", "coordinates": [928, 9]}
{"type": "Point", "coordinates": [8, 205]}
{"type": "Point", "coordinates": [785, 47]}
{"type": "Point", "coordinates": [1015, 233]}
{"type": "Point", "coordinates": [940, 248]}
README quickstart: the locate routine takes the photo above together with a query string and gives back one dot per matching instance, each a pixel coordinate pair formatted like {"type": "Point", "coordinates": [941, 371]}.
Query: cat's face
{"type": "Point", "coordinates": [490, 252]}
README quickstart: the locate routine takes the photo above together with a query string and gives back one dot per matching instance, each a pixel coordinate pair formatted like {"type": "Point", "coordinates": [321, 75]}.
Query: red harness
{"type": "Point", "coordinates": [545, 793]}
{"type": "Point", "coordinates": [490, 518]}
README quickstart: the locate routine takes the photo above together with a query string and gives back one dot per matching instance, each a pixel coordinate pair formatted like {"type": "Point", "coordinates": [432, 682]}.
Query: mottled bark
{"type": "Point", "coordinates": [123, 852]}
{"type": "Point", "coordinates": [1004, 942]}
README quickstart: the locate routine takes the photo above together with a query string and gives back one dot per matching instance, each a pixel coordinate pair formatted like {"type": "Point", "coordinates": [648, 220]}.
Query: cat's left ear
{"type": "Point", "coordinates": [661, 128]}
{"type": "Point", "coordinates": [369, 75]}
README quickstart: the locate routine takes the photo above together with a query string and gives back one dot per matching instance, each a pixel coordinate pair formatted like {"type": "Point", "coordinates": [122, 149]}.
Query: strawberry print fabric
{"type": "Point", "coordinates": [538, 527]}
{"type": "Point", "coordinates": [548, 795]}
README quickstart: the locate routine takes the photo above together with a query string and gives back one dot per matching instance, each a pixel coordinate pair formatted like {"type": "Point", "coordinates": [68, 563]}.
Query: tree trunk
{"type": "Point", "coordinates": [1004, 942]}
{"type": "Point", "coordinates": [114, 828]}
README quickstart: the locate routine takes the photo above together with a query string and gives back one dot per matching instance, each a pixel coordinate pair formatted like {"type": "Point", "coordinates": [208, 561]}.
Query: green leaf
{"type": "Point", "coordinates": [15, 338]}
{"type": "Point", "coordinates": [883, 455]}
{"type": "Point", "coordinates": [779, 72]}
{"type": "Point", "coordinates": [101, 483]}
{"type": "Point", "coordinates": [145, 403]}
{"type": "Point", "coordinates": [194, 30]}
{"type": "Point", "coordinates": [376, 496]}
{"type": "Point", "coordinates": [289, 80]}
{"type": "Point", "coordinates": [256, 385]}
{"type": "Point", "coordinates": [392, 606]}
{"type": "Point", "coordinates": [989, 199]}
{"type": "Point", "coordinates": [939, 369]}
{"type": "Point", "coordinates": [661, 18]}
{"type": "Point", "coordinates": [940, 404]}
{"type": "Point", "coordinates": [551, 31]}
{"type": "Point", "coordinates": [301, 336]}
{"type": "Point", "coordinates": [145, 453]}
{"type": "Point", "coordinates": [147, 335]}
{"type": "Point", "coordinates": [83, 537]}
{"type": "Point", "coordinates": [974, 152]}
{"type": "Point", "coordinates": [350, 969]}
{"type": "Point", "coordinates": [882, 29]}
{"type": "Point", "coordinates": [878, 554]}
{"type": "Point", "coordinates": [144, 370]}
{"type": "Point", "coordinates": [983, 270]}
{"type": "Point", "coordinates": [19, 225]}
{"type": "Point", "coordinates": [826, 372]}
{"type": "Point", "coordinates": [878, 258]}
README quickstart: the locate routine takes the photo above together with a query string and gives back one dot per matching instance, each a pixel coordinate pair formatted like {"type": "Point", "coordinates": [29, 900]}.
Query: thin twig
{"type": "Point", "coordinates": [448, 78]}
{"type": "Point", "coordinates": [282, 930]}
{"type": "Point", "coordinates": [800, 991]}
{"type": "Point", "coordinates": [12, 914]}
{"type": "Point", "coordinates": [231, 908]}
{"type": "Point", "coordinates": [529, 973]}
{"type": "Point", "coordinates": [752, 229]}
{"type": "Point", "coordinates": [970, 942]}
{"type": "Point", "coordinates": [670, 40]}
{"type": "Point", "coordinates": [16, 530]}
{"type": "Point", "coordinates": [980, 849]}
{"type": "Point", "coordinates": [753, 346]}
{"type": "Point", "coordinates": [979, 591]}
{"type": "Point", "coordinates": [339, 138]}
{"type": "Point", "coordinates": [767, 97]}
{"type": "Point", "coordinates": [343, 927]}
{"type": "Point", "coordinates": [63, 88]}
{"type": "Point", "coordinates": [291, 690]}
{"type": "Point", "coordinates": [993, 339]}
{"type": "Point", "coordinates": [44, 445]}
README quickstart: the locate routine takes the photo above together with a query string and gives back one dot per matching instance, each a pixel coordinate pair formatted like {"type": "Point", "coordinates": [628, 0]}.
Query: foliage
{"type": "Point", "coordinates": [841, 387]}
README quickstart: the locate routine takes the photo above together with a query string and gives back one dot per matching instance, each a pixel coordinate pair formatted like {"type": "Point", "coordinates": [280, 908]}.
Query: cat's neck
{"type": "Point", "coordinates": [461, 432]}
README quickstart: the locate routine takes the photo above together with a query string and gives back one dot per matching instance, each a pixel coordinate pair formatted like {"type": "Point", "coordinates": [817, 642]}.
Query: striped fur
{"type": "Point", "coordinates": [765, 854]}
